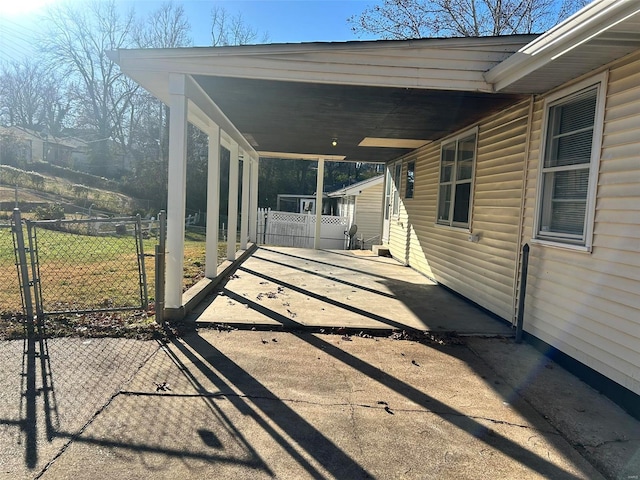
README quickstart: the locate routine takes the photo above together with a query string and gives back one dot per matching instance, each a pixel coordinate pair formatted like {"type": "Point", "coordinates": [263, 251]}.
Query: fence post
{"type": "Point", "coordinates": [22, 266]}
{"type": "Point", "coordinates": [143, 272]}
{"type": "Point", "coordinates": [160, 266]}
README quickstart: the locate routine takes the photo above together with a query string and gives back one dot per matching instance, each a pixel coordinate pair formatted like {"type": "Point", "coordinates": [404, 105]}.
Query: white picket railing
{"type": "Point", "coordinates": [298, 229]}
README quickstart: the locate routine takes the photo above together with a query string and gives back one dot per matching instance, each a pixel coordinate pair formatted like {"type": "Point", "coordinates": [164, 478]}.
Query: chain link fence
{"type": "Point", "coordinates": [10, 299]}
{"type": "Point", "coordinates": [88, 265]}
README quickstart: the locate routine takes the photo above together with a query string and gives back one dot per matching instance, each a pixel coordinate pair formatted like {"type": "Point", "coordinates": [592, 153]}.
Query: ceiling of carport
{"type": "Point", "coordinates": [303, 118]}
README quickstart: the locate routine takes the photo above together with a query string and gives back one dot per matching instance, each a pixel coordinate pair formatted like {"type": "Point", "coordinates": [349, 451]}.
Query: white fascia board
{"type": "Point", "coordinates": [270, 62]}
{"type": "Point", "coordinates": [584, 25]}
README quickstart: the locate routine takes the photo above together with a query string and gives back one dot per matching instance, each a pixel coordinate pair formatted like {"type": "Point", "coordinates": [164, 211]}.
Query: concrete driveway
{"type": "Point", "coordinates": [252, 405]}
{"type": "Point", "coordinates": [227, 403]}
{"type": "Point", "coordinates": [294, 287]}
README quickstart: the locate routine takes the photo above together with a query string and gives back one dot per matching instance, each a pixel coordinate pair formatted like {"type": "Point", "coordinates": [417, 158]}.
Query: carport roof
{"type": "Point", "coordinates": [377, 100]}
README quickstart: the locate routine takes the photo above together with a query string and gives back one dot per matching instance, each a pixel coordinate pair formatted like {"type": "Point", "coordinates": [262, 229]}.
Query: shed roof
{"type": "Point", "coordinates": [356, 188]}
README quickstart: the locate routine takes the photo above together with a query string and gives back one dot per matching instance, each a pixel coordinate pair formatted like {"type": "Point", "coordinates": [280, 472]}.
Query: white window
{"type": "Point", "coordinates": [457, 163]}
{"type": "Point", "coordinates": [569, 165]}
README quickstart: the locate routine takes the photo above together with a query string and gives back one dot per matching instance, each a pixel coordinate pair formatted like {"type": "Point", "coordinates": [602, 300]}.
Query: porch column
{"type": "Point", "coordinates": [246, 189]}
{"type": "Point", "coordinates": [176, 201]}
{"type": "Point", "coordinates": [253, 201]}
{"type": "Point", "coordinates": [213, 203]}
{"type": "Point", "coordinates": [232, 214]}
{"type": "Point", "coordinates": [319, 189]}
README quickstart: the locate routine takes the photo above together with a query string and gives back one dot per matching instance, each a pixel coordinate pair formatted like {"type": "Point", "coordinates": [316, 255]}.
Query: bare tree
{"type": "Point", "coordinates": [75, 40]}
{"type": "Point", "coordinates": [402, 19]}
{"type": "Point", "coordinates": [32, 96]}
{"type": "Point", "coordinates": [228, 29]}
{"type": "Point", "coordinates": [165, 27]}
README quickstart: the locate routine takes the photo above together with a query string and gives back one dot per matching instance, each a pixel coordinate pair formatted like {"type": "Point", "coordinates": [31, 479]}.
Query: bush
{"type": "Point", "coordinates": [53, 211]}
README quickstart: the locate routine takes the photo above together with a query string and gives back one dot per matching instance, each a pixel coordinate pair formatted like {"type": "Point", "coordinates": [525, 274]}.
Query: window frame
{"type": "Point", "coordinates": [562, 97]}
{"type": "Point", "coordinates": [450, 223]}
{"type": "Point", "coordinates": [410, 179]}
{"type": "Point", "coordinates": [396, 178]}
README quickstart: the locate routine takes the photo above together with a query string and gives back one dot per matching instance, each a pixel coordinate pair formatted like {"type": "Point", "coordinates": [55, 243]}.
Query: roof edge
{"type": "Point", "coordinates": [587, 23]}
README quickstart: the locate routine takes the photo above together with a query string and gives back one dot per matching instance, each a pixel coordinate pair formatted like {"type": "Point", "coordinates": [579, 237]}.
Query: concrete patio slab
{"type": "Point", "coordinates": [293, 288]}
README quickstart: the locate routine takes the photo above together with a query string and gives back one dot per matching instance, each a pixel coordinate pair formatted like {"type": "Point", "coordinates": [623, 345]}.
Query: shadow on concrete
{"type": "Point", "coordinates": [305, 436]}
{"type": "Point", "coordinates": [318, 294]}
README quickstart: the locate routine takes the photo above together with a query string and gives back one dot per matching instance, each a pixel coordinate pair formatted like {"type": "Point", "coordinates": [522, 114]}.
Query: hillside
{"type": "Point", "coordinates": [37, 189]}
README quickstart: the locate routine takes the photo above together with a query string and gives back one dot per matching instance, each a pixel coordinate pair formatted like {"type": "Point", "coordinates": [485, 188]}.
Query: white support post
{"type": "Point", "coordinates": [232, 213]}
{"type": "Point", "coordinates": [253, 201]}
{"type": "Point", "coordinates": [176, 201]}
{"type": "Point", "coordinates": [319, 189]}
{"type": "Point", "coordinates": [246, 188]}
{"type": "Point", "coordinates": [213, 203]}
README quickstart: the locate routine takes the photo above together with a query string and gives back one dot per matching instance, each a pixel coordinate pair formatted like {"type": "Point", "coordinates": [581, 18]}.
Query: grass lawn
{"type": "Point", "coordinates": [83, 272]}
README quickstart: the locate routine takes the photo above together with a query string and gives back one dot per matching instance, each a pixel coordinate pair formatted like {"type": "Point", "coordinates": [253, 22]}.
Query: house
{"type": "Point", "coordinates": [491, 144]}
{"type": "Point", "coordinates": [361, 203]}
{"type": "Point", "coordinates": [31, 146]}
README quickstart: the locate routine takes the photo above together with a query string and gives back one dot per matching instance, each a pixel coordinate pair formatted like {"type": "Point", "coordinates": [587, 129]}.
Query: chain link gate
{"type": "Point", "coordinates": [81, 266]}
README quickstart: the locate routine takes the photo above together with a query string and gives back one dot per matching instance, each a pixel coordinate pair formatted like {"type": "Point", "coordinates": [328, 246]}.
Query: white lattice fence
{"type": "Point", "coordinates": [298, 229]}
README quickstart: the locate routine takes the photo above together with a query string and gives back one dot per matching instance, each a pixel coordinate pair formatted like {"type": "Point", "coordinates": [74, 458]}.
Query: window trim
{"type": "Point", "coordinates": [406, 179]}
{"type": "Point", "coordinates": [600, 82]}
{"type": "Point", "coordinates": [396, 179]}
{"type": "Point", "coordinates": [452, 225]}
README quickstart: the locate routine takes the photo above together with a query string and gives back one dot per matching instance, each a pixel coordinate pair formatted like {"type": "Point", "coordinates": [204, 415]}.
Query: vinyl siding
{"type": "Point", "coordinates": [368, 214]}
{"type": "Point", "coordinates": [588, 304]}
{"type": "Point", "coordinates": [483, 271]}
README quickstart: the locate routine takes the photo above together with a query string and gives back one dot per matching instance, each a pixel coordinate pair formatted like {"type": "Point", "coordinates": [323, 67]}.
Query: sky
{"type": "Point", "coordinates": [285, 21]}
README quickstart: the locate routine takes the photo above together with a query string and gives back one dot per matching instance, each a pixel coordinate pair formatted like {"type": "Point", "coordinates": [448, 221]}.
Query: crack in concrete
{"type": "Point", "coordinates": [351, 405]}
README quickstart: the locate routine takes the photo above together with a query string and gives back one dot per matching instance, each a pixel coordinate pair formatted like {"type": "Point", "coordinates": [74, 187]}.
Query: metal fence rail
{"type": "Point", "coordinates": [88, 265]}
{"type": "Point", "coordinates": [10, 299]}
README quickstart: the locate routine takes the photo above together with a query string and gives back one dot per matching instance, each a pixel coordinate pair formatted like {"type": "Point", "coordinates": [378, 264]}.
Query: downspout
{"type": "Point", "coordinates": [523, 193]}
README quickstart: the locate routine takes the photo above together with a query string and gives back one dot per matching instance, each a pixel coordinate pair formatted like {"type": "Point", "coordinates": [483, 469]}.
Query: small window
{"type": "Point", "coordinates": [457, 162]}
{"type": "Point", "coordinates": [408, 191]}
{"type": "Point", "coordinates": [569, 161]}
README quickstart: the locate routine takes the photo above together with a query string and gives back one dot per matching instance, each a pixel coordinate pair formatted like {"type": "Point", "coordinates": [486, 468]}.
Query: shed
{"type": "Point", "coordinates": [361, 203]}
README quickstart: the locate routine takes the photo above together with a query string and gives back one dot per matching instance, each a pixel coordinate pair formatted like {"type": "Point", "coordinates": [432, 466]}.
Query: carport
{"type": "Point", "coordinates": [352, 101]}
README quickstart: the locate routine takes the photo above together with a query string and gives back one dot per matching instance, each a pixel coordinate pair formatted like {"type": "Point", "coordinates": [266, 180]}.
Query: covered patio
{"type": "Point", "coordinates": [366, 102]}
{"type": "Point", "coordinates": [303, 289]}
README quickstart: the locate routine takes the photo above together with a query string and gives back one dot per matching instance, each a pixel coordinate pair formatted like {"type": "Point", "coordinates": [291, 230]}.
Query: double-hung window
{"type": "Point", "coordinates": [569, 163]}
{"type": "Point", "coordinates": [457, 163]}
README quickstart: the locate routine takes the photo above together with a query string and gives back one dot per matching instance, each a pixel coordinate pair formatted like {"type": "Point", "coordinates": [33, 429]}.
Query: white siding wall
{"type": "Point", "coordinates": [588, 304]}
{"type": "Point", "coordinates": [368, 212]}
{"type": "Point", "coordinates": [484, 271]}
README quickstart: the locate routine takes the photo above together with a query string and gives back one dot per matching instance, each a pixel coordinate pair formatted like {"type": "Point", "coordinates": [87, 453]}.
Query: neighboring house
{"type": "Point", "coordinates": [37, 146]}
{"type": "Point", "coordinates": [490, 144]}
{"type": "Point", "coordinates": [361, 203]}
